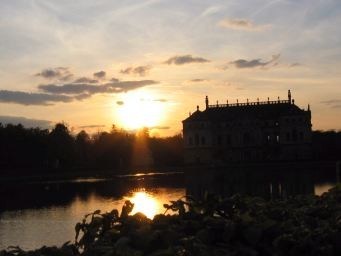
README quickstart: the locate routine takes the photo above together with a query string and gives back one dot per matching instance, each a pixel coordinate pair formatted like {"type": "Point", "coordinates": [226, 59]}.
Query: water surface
{"type": "Point", "coordinates": [37, 213]}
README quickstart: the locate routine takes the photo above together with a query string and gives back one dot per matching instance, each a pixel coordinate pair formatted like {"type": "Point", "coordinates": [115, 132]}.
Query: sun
{"type": "Point", "coordinates": [140, 109]}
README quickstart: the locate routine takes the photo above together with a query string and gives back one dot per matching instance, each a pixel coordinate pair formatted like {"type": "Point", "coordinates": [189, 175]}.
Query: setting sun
{"type": "Point", "coordinates": [140, 109]}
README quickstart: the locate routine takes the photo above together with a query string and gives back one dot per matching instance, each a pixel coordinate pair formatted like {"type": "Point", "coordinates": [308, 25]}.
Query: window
{"type": "Point", "coordinates": [219, 140]}
{"type": "Point", "coordinates": [277, 138]}
{"type": "Point", "coordinates": [203, 140]}
{"type": "Point", "coordinates": [196, 139]}
{"type": "Point", "coordinates": [190, 141]}
{"type": "Point", "coordinates": [267, 138]}
{"type": "Point", "coordinates": [294, 135]}
{"type": "Point", "coordinates": [246, 138]}
{"type": "Point", "coordinates": [288, 136]}
{"type": "Point", "coordinates": [301, 136]}
{"type": "Point", "coordinates": [228, 139]}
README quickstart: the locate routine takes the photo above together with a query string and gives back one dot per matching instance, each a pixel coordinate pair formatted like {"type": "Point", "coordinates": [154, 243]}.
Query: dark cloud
{"type": "Point", "coordinates": [114, 79]}
{"type": "Point", "coordinates": [27, 122]}
{"type": "Point", "coordinates": [85, 80]}
{"type": "Point", "coordinates": [114, 87]}
{"type": "Point", "coordinates": [100, 74]}
{"type": "Point", "coordinates": [26, 98]}
{"type": "Point", "coordinates": [198, 80]}
{"type": "Point", "coordinates": [185, 59]}
{"type": "Point", "coordinates": [119, 102]}
{"type": "Point", "coordinates": [335, 103]}
{"type": "Point", "coordinates": [296, 64]}
{"type": "Point", "coordinates": [242, 24]}
{"type": "Point", "coordinates": [241, 63]}
{"type": "Point", "coordinates": [60, 73]}
{"type": "Point", "coordinates": [140, 70]}
{"type": "Point", "coordinates": [57, 93]}
{"type": "Point", "coordinates": [92, 126]}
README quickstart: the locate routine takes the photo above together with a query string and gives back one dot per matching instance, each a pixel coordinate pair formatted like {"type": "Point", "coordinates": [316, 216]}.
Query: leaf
{"type": "Point", "coordinates": [97, 212]}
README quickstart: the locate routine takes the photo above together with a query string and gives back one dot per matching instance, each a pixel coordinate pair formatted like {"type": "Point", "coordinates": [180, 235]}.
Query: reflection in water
{"type": "Point", "coordinates": [268, 184]}
{"type": "Point", "coordinates": [44, 213]}
{"type": "Point", "coordinates": [319, 189]}
{"type": "Point", "coordinates": [145, 203]}
{"type": "Point", "coordinates": [33, 215]}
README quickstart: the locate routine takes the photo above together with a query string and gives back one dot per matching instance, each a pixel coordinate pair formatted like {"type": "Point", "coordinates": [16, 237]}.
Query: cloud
{"type": "Point", "coordinates": [100, 74]}
{"type": "Point", "coordinates": [120, 102]}
{"type": "Point", "coordinates": [113, 87]}
{"type": "Point", "coordinates": [241, 63]}
{"type": "Point", "coordinates": [92, 126]}
{"type": "Point", "coordinates": [161, 100]}
{"type": "Point", "coordinates": [27, 122]}
{"type": "Point", "coordinates": [140, 70]}
{"type": "Point", "coordinates": [68, 92]}
{"type": "Point", "coordinates": [335, 103]}
{"type": "Point", "coordinates": [198, 80]}
{"type": "Point", "coordinates": [158, 100]}
{"type": "Point", "coordinates": [159, 127]}
{"type": "Point", "coordinates": [242, 24]}
{"type": "Point", "coordinates": [85, 80]}
{"type": "Point", "coordinates": [185, 59]}
{"type": "Point", "coordinates": [330, 102]}
{"type": "Point", "coordinates": [26, 98]}
{"type": "Point", "coordinates": [296, 64]}
{"type": "Point", "coordinates": [114, 79]}
{"type": "Point", "coordinates": [60, 73]}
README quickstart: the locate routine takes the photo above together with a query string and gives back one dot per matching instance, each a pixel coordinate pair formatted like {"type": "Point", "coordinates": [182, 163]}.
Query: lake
{"type": "Point", "coordinates": [36, 213]}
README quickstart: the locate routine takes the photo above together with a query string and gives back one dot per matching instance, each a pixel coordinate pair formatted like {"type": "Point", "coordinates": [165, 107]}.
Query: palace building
{"type": "Point", "coordinates": [248, 132]}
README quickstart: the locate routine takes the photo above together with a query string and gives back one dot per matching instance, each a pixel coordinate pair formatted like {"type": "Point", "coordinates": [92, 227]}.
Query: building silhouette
{"type": "Point", "coordinates": [248, 132]}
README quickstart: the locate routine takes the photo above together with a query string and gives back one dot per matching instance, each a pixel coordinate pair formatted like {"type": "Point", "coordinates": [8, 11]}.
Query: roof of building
{"type": "Point", "coordinates": [259, 110]}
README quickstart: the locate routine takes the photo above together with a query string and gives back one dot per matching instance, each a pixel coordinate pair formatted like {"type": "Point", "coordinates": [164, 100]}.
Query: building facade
{"type": "Point", "coordinates": [248, 132]}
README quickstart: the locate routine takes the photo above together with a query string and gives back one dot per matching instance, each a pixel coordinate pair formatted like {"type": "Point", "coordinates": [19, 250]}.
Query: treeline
{"type": "Point", "coordinates": [58, 148]}
{"type": "Point", "coordinates": [327, 145]}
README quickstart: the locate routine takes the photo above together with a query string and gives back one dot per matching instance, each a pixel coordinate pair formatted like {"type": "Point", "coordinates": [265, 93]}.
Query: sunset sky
{"type": "Point", "coordinates": [149, 63]}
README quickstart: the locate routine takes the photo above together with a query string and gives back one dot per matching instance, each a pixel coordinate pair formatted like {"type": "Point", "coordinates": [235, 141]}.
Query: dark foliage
{"type": "Point", "coordinates": [327, 145]}
{"type": "Point", "coordinates": [238, 225]}
{"type": "Point", "coordinates": [34, 149]}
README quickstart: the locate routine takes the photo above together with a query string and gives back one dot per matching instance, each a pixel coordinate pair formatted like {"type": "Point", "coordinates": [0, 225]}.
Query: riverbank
{"type": "Point", "coordinates": [36, 175]}
{"type": "Point", "coordinates": [238, 225]}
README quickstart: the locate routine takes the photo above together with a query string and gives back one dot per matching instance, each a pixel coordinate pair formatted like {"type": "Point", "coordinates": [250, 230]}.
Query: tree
{"type": "Point", "coordinates": [61, 146]}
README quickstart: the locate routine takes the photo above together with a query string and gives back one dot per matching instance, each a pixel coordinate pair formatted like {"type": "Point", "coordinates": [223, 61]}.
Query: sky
{"type": "Point", "coordinates": [92, 64]}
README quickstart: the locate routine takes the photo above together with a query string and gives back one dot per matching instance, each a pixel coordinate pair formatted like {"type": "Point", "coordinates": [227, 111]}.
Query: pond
{"type": "Point", "coordinates": [37, 213]}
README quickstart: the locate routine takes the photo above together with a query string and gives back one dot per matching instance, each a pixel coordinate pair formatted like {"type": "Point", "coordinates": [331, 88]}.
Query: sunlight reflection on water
{"type": "Point", "coordinates": [54, 225]}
